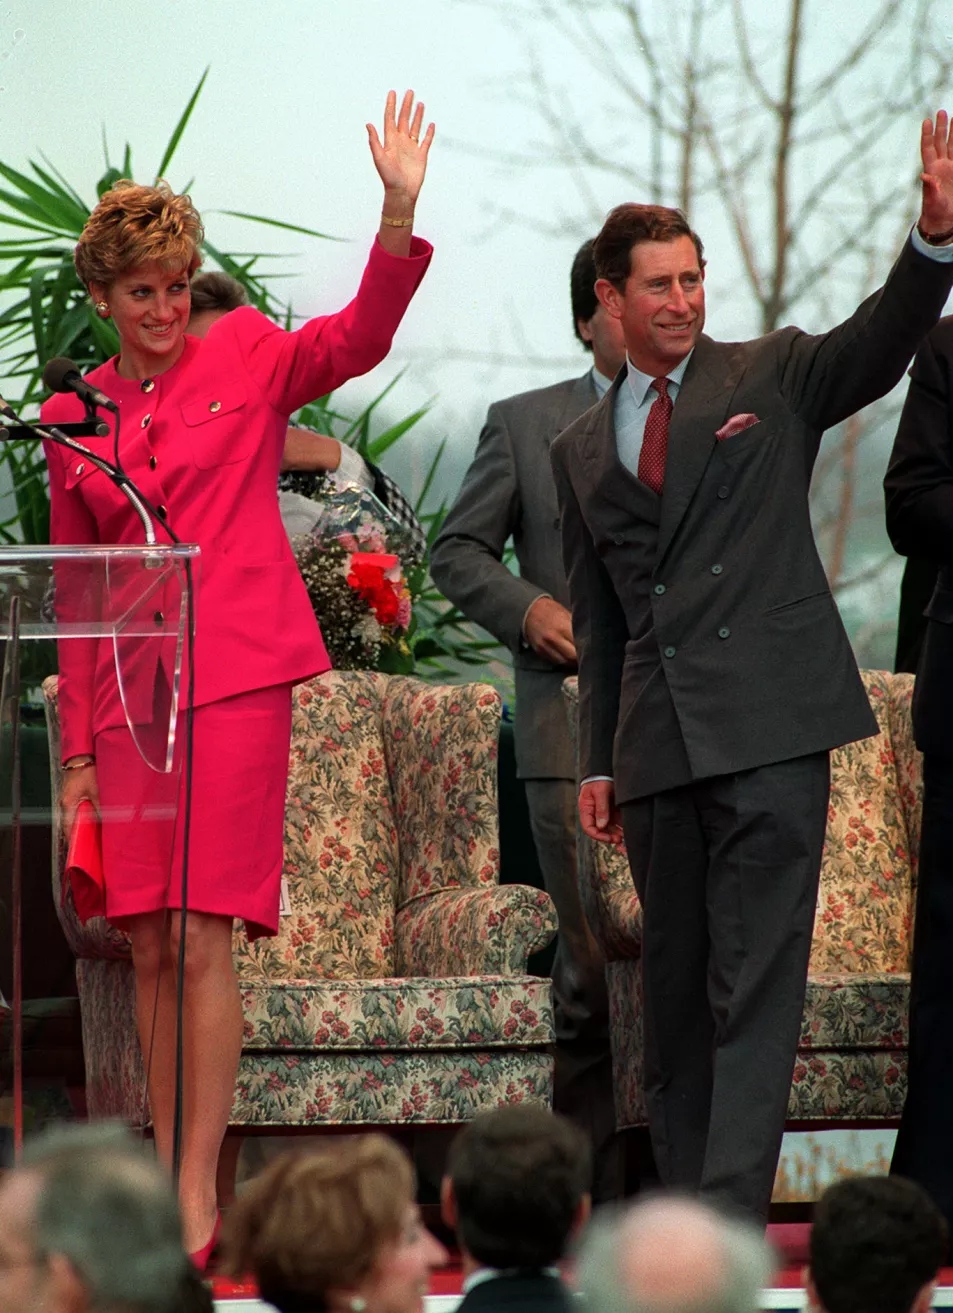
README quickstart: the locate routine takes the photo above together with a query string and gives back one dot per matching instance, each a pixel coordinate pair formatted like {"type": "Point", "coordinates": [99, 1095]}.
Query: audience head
{"type": "Point", "coordinates": [213, 294]}
{"type": "Point", "coordinates": [134, 226]}
{"type": "Point", "coordinates": [89, 1224]}
{"type": "Point", "coordinates": [334, 1229]}
{"type": "Point", "coordinates": [595, 329]}
{"type": "Point", "coordinates": [651, 278]}
{"type": "Point", "coordinates": [516, 1187]}
{"type": "Point", "coordinates": [876, 1245]}
{"type": "Point", "coordinates": [671, 1255]}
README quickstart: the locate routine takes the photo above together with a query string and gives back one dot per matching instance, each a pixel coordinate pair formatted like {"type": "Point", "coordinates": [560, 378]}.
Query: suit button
{"type": "Point", "coordinates": [146, 385]}
{"type": "Point", "coordinates": [152, 462]}
{"type": "Point", "coordinates": [716, 569]}
{"type": "Point", "coordinates": [618, 539]}
{"type": "Point", "coordinates": [556, 522]}
{"type": "Point", "coordinates": [161, 510]}
{"type": "Point", "coordinates": [723, 491]}
{"type": "Point", "coordinates": [145, 421]}
{"type": "Point", "coordinates": [724, 632]}
{"type": "Point", "coordinates": [158, 617]}
{"type": "Point", "coordinates": [214, 406]}
{"type": "Point", "coordinates": [80, 467]}
{"type": "Point", "coordinates": [669, 652]}
{"type": "Point", "coordinates": [658, 590]}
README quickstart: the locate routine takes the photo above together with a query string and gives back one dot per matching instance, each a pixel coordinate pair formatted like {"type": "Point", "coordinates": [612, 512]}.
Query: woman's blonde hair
{"type": "Point", "coordinates": [316, 1221]}
{"type": "Point", "coordinates": [134, 225]}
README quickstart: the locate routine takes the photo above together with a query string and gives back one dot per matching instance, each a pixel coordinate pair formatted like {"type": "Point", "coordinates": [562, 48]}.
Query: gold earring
{"type": "Point", "coordinates": [102, 309]}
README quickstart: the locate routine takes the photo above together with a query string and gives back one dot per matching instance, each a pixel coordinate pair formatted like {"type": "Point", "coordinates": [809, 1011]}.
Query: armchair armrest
{"type": "Point", "coordinates": [473, 932]}
{"type": "Point", "coordinates": [609, 899]}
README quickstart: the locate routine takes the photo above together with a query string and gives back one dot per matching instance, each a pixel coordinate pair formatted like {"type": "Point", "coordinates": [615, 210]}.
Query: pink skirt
{"type": "Point", "coordinates": [239, 779]}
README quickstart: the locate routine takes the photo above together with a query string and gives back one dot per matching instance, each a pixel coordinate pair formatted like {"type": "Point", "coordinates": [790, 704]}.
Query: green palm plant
{"type": "Point", "coordinates": [49, 313]}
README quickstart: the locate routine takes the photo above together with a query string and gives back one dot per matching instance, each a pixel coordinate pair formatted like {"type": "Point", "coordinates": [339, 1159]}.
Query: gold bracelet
{"type": "Point", "coordinates": [396, 223]}
{"type": "Point", "coordinates": [78, 765]}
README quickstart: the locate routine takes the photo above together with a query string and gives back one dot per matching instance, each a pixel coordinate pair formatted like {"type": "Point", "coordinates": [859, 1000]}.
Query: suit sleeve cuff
{"type": "Point", "coordinates": [525, 645]}
{"type": "Point", "coordinates": [939, 254]}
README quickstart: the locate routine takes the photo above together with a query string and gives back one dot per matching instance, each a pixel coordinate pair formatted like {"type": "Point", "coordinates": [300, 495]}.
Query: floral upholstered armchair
{"type": "Point", "coordinates": [851, 1063]}
{"type": "Point", "coordinates": [396, 989]}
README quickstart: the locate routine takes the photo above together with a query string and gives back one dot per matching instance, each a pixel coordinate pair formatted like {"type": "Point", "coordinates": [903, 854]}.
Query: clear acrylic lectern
{"type": "Point", "coordinates": [121, 618]}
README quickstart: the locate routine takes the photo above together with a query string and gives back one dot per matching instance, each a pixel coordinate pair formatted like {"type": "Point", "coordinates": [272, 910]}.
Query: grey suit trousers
{"type": "Point", "coordinates": [583, 1079]}
{"type": "Point", "coordinates": [727, 872]}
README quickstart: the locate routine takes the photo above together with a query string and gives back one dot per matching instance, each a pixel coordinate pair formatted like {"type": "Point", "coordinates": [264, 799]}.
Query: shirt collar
{"type": "Point", "coordinates": [641, 383]}
{"type": "Point", "coordinates": [600, 382]}
{"type": "Point", "coordinates": [482, 1274]}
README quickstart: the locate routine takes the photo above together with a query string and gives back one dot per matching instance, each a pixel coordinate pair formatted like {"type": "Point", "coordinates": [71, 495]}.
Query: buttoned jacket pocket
{"type": "Point", "coordinates": [218, 429]}
{"type": "Point", "coordinates": [78, 468]}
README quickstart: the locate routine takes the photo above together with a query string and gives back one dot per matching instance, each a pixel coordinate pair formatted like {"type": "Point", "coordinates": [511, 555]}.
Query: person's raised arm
{"type": "Point", "coordinates": [401, 161]}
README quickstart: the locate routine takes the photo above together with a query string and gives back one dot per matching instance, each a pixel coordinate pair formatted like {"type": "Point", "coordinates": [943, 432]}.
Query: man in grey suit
{"type": "Point", "coordinates": [508, 492]}
{"type": "Point", "coordinates": [714, 672]}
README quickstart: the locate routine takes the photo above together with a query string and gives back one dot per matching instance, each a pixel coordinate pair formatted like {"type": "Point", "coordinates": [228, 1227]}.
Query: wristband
{"type": "Point", "coordinates": [396, 223]}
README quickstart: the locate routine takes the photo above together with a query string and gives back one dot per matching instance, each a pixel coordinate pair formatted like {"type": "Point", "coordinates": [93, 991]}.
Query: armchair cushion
{"type": "Point", "coordinates": [415, 1014]}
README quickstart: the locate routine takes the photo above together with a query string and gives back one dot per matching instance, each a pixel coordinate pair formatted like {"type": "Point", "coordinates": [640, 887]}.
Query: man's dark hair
{"type": "Point", "coordinates": [876, 1241]}
{"type": "Point", "coordinates": [217, 291]}
{"type": "Point", "coordinates": [519, 1174]}
{"type": "Point", "coordinates": [582, 289]}
{"type": "Point", "coordinates": [628, 225]}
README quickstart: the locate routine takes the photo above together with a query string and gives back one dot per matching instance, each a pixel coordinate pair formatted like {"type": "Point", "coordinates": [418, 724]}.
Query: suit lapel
{"type": "Point", "coordinates": [601, 453]}
{"type": "Point", "coordinates": [703, 406]}
{"type": "Point", "coordinates": [579, 395]}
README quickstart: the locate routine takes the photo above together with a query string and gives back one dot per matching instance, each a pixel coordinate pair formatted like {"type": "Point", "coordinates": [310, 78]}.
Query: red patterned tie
{"type": "Point", "coordinates": [655, 440]}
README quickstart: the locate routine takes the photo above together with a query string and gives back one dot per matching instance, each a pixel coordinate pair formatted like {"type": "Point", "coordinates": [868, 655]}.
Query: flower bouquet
{"type": "Point", "coordinates": [355, 561]}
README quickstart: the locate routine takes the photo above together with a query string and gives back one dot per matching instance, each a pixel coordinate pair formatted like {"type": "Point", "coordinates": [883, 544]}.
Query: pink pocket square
{"type": "Point", "coordinates": [735, 425]}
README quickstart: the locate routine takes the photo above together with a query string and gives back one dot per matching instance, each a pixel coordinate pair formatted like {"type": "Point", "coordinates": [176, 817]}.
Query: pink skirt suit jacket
{"type": "Point", "coordinates": [204, 441]}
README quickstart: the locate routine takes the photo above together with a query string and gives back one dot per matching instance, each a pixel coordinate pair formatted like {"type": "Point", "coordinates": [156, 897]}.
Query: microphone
{"type": "Point", "coordinates": [61, 375]}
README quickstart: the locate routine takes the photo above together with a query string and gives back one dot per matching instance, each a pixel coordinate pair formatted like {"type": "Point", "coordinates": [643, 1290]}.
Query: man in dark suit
{"type": "Point", "coordinates": [515, 1194]}
{"type": "Point", "coordinates": [919, 489]}
{"type": "Point", "coordinates": [508, 492]}
{"type": "Point", "coordinates": [714, 672]}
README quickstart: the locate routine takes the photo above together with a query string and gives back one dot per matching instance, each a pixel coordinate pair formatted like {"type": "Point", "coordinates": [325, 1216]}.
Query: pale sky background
{"type": "Point", "coordinates": [279, 130]}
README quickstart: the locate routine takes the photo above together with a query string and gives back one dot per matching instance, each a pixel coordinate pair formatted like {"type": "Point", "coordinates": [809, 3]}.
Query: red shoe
{"type": "Point", "coordinates": [202, 1257]}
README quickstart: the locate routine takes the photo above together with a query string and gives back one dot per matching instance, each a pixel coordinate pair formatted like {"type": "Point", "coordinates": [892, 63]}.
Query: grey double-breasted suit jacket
{"type": "Point", "coordinates": [730, 639]}
{"type": "Point", "coordinates": [508, 491]}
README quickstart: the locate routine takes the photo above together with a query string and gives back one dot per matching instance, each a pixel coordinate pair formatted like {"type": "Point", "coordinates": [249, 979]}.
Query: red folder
{"type": "Point", "coordinates": [84, 864]}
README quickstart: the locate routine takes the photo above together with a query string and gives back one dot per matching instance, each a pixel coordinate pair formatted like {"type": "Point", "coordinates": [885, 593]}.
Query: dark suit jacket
{"type": "Point", "coordinates": [508, 492]}
{"type": "Point", "coordinates": [523, 1293]}
{"type": "Point", "coordinates": [919, 491]}
{"type": "Point", "coordinates": [744, 636]}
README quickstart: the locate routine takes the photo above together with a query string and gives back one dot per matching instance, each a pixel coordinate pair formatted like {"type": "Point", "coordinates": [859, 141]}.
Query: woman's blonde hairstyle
{"type": "Point", "coordinates": [134, 225]}
{"type": "Point", "coordinates": [316, 1221]}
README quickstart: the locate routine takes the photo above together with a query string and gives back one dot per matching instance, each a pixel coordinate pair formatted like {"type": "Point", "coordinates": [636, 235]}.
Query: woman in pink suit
{"type": "Point", "coordinates": [203, 423]}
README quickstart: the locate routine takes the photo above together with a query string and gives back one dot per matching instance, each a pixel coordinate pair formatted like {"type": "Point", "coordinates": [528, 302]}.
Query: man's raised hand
{"type": "Point", "coordinates": [936, 152]}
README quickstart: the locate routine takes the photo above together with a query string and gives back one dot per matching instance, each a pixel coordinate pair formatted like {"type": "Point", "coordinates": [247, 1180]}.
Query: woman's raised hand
{"type": "Point", "coordinates": [401, 158]}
